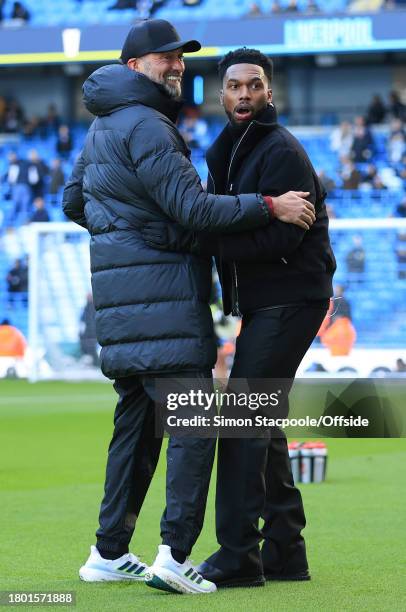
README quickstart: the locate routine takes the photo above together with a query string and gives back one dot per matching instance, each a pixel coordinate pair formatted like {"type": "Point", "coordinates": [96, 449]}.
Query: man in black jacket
{"type": "Point", "coordinates": [152, 308]}
{"type": "Point", "coordinates": [280, 279]}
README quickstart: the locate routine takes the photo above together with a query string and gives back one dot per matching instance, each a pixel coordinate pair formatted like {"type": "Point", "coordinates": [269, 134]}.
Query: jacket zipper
{"type": "Point", "coordinates": [235, 151]}
{"type": "Point", "coordinates": [235, 307]}
{"type": "Point", "coordinates": [234, 294]}
{"type": "Point", "coordinates": [214, 184]}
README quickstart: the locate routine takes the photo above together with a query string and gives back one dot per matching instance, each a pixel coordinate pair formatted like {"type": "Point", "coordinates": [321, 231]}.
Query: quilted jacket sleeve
{"type": "Point", "coordinates": [172, 181]}
{"type": "Point", "coordinates": [73, 203]}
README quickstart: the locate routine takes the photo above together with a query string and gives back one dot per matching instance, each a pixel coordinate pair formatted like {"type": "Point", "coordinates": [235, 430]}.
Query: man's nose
{"type": "Point", "coordinates": [245, 93]}
{"type": "Point", "coordinates": [178, 65]}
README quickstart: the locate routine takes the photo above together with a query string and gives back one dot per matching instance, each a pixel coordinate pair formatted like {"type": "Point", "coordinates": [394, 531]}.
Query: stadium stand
{"type": "Point", "coordinates": [72, 12]}
{"type": "Point", "coordinates": [380, 290]}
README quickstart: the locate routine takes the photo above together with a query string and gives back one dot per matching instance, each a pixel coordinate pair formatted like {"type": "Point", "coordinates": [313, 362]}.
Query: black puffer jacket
{"type": "Point", "coordinates": [152, 311]}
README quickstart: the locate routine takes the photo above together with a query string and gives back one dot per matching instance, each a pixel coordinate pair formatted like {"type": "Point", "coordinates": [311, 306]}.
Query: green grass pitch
{"type": "Point", "coordinates": [53, 443]}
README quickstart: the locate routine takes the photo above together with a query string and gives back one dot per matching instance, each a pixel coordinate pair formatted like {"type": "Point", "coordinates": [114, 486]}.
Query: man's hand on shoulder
{"type": "Point", "coordinates": [292, 207]}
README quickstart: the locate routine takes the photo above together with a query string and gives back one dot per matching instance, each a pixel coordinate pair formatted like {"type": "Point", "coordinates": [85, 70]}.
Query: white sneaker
{"type": "Point", "coordinates": [126, 567]}
{"type": "Point", "coordinates": [167, 574]}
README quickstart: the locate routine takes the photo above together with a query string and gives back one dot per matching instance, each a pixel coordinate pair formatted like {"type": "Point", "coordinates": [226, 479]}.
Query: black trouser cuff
{"type": "Point", "coordinates": [120, 548]}
{"type": "Point", "coordinates": [174, 542]}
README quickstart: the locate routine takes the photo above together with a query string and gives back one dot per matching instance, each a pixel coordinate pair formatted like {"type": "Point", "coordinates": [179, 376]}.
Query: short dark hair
{"type": "Point", "coordinates": [246, 56]}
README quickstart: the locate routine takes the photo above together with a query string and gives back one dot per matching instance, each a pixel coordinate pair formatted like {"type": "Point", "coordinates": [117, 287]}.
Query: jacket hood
{"type": "Point", "coordinates": [113, 87]}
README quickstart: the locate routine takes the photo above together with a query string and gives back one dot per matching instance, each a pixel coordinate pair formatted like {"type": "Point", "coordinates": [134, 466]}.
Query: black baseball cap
{"type": "Point", "coordinates": [154, 36]}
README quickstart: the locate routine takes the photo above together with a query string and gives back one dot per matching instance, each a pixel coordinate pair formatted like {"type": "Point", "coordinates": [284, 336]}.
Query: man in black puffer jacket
{"type": "Point", "coordinates": [279, 278]}
{"type": "Point", "coordinates": [152, 308]}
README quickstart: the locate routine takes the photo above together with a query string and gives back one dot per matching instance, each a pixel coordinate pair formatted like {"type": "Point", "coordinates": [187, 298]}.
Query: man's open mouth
{"type": "Point", "coordinates": [243, 113]}
{"type": "Point", "coordinates": [174, 79]}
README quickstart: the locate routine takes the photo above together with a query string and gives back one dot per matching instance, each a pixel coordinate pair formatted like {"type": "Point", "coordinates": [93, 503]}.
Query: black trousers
{"type": "Point", "coordinates": [132, 459]}
{"type": "Point", "coordinates": [254, 477]}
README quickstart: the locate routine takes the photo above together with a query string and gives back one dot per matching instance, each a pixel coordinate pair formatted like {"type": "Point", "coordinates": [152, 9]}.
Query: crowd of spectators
{"type": "Point", "coordinates": [356, 149]}
{"type": "Point", "coordinates": [378, 111]}
{"type": "Point", "coordinates": [257, 9]}
{"type": "Point", "coordinates": [276, 7]}
{"type": "Point", "coordinates": [35, 152]}
{"type": "Point", "coordinates": [30, 182]}
{"type": "Point", "coordinates": [14, 121]}
{"type": "Point", "coordinates": [360, 168]}
{"type": "Point", "coordinates": [144, 9]}
{"type": "Point", "coordinates": [26, 183]}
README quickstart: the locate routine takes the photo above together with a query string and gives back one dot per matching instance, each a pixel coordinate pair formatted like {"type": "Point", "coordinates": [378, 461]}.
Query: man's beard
{"type": "Point", "coordinates": [174, 90]}
{"type": "Point", "coordinates": [242, 125]}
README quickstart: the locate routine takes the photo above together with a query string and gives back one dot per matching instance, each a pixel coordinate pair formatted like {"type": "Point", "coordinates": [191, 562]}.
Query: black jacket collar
{"type": "Point", "coordinates": [222, 163]}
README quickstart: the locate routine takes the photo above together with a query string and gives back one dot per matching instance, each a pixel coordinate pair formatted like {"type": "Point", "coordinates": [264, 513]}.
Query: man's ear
{"type": "Point", "coordinates": [269, 96]}
{"type": "Point", "coordinates": [222, 97]}
{"type": "Point", "coordinates": [133, 64]}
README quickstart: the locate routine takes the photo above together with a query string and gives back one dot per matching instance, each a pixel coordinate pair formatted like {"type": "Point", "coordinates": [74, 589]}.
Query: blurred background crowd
{"type": "Point", "coordinates": [14, 13]}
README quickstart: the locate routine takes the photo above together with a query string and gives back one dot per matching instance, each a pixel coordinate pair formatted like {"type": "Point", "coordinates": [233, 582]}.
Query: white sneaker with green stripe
{"type": "Point", "coordinates": [97, 569]}
{"type": "Point", "coordinates": [166, 574]}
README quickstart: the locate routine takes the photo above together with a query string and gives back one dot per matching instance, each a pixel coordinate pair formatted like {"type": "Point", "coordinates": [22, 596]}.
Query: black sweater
{"type": "Point", "coordinates": [280, 263]}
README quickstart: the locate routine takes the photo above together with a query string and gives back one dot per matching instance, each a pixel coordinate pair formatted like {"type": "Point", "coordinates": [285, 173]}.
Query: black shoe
{"type": "Point", "coordinates": [229, 579]}
{"type": "Point", "coordinates": [285, 563]}
{"type": "Point", "coordinates": [271, 575]}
